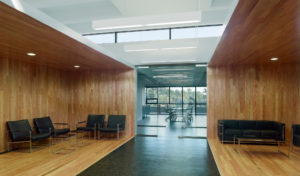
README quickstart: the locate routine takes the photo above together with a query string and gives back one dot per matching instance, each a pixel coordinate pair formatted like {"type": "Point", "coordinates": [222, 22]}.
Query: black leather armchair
{"type": "Point", "coordinates": [115, 124]}
{"type": "Point", "coordinates": [21, 132]}
{"type": "Point", "coordinates": [43, 125]}
{"type": "Point", "coordinates": [296, 135]}
{"type": "Point", "coordinates": [93, 123]}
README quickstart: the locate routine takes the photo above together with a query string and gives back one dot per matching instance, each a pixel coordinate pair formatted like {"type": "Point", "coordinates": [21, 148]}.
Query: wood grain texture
{"type": "Point", "coordinates": [44, 162]}
{"type": "Point", "coordinates": [259, 160]}
{"type": "Point", "coordinates": [261, 92]}
{"type": "Point", "coordinates": [259, 30]}
{"type": "Point", "coordinates": [47, 84]}
{"type": "Point", "coordinates": [28, 91]}
{"type": "Point", "coordinates": [20, 34]}
{"type": "Point", "coordinates": [96, 92]}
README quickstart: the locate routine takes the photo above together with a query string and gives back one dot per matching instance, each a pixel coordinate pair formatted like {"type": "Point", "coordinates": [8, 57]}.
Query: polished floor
{"type": "Point", "coordinates": [158, 125]}
{"type": "Point", "coordinates": [161, 156]}
{"type": "Point", "coordinates": [258, 160]}
{"type": "Point", "coordinates": [42, 162]}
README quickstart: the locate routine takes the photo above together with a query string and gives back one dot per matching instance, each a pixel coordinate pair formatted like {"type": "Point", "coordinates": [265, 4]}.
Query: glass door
{"type": "Point", "coordinates": [147, 126]}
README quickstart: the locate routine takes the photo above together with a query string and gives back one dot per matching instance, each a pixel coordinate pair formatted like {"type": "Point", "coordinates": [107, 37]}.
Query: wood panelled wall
{"type": "Point", "coordinates": [30, 90]}
{"type": "Point", "coordinates": [96, 92]}
{"type": "Point", "coordinates": [261, 92]}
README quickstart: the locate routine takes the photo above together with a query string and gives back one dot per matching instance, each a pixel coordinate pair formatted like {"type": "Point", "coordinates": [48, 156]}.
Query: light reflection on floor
{"type": "Point", "coordinates": [173, 129]}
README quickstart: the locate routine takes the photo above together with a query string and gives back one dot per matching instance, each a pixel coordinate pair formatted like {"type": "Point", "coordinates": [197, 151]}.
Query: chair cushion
{"type": "Point", "coordinates": [296, 129]}
{"type": "Point", "coordinates": [43, 124]}
{"type": "Point", "coordinates": [62, 131]}
{"type": "Point", "coordinates": [233, 132]}
{"type": "Point", "coordinates": [264, 125]}
{"type": "Point", "coordinates": [252, 133]}
{"type": "Point", "coordinates": [95, 119]}
{"type": "Point", "coordinates": [269, 133]}
{"type": "Point", "coordinates": [247, 124]}
{"type": "Point", "coordinates": [114, 120]}
{"type": "Point", "coordinates": [296, 140]}
{"type": "Point", "coordinates": [40, 136]}
{"type": "Point", "coordinates": [19, 130]}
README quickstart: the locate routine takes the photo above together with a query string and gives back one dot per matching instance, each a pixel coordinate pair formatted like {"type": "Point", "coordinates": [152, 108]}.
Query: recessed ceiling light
{"type": "Point", "coordinates": [143, 66]}
{"type": "Point", "coordinates": [274, 59]}
{"type": "Point", "coordinates": [31, 54]}
{"type": "Point", "coordinates": [76, 66]}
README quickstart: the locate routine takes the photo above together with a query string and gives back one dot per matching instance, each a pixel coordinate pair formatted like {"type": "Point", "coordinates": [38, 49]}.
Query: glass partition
{"type": "Point", "coordinates": [175, 95]}
{"type": "Point", "coordinates": [163, 95]}
{"type": "Point", "coordinates": [201, 100]}
{"type": "Point", "coordinates": [183, 108]}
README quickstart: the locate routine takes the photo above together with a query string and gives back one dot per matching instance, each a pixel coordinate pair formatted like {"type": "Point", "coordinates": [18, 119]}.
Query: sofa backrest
{"type": "Point", "coordinates": [251, 124]}
{"type": "Point", "coordinates": [264, 125]}
{"type": "Point", "coordinates": [232, 124]}
{"type": "Point", "coordinates": [247, 124]}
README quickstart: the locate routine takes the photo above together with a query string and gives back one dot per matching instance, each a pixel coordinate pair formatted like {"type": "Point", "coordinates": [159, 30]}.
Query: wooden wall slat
{"type": "Point", "coordinates": [261, 92]}
{"type": "Point", "coordinates": [259, 30]}
{"type": "Point", "coordinates": [96, 92]}
{"type": "Point", "coordinates": [29, 90]}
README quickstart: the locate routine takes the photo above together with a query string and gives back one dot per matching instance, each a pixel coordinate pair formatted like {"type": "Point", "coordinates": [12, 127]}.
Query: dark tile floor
{"type": "Point", "coordinates": [162, 156]}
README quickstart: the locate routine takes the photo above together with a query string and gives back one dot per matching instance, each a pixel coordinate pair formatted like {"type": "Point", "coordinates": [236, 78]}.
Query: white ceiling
{"type": "Point", "coordinates": [80, 14]}
{"type": "Point", "coordinates": [200, 54]}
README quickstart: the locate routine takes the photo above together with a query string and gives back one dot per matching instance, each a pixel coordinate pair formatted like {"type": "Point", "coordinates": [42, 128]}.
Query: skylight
{"type": "Point", "coordinates": [161, 34]}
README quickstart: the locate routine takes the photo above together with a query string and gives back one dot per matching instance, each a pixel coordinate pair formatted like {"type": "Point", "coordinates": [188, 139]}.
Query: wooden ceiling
{"type": "Point", "coordinates": [20, 34]}
{"type": "Point", "coordinates": [259, 30]}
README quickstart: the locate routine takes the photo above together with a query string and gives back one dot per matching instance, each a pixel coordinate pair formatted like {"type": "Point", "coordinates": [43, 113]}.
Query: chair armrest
{"type": "Point", "coordinates": [61, 123]}
{"type": "Point", "coordinates": [81, 122]}
{"type": "Point", "coordinates": [78, 124]}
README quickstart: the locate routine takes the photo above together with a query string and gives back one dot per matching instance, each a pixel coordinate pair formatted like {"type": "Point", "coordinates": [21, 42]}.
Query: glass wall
{"type": "Point", "coordinates": [181, 98]}
{"type": "Point", "coordinates": [188, 99]}
{"type": "Point", "coordinates": [201, 97]}
{"type": "Point", "coordinates": [157, 34]}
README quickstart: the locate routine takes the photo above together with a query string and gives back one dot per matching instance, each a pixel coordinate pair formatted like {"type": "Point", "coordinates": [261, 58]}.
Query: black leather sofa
{"type": "Point", "coordinates": [228, 129]}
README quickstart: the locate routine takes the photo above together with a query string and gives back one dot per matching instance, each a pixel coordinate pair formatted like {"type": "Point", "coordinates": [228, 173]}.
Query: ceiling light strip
{"type": "Point", "coordinates": [119, 27]}
{"type": "Point", "coordinates": [156, 49]}
{"type": "Point", "coordinates": [173, 23]}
